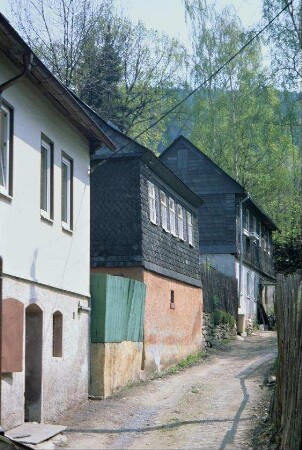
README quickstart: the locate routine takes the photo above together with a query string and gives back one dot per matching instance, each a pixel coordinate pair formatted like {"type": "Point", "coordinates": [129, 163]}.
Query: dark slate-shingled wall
{"type": "Point", "coordinates": [217, 216]}
{"type": "Point", "coordinates": [160, 247]}
{"type": "Point", "coordinates": [116, 238]}
{"type": "Point", "coordinates": [217, 219]}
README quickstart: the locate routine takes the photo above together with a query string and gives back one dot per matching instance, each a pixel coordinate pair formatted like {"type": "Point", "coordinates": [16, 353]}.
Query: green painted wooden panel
{"type": "Point", "coordinates": [117, 309]}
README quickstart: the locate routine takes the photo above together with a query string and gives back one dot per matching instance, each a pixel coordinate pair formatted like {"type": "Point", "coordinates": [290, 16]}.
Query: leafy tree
{"type": "Point", "coordinates": [121, 69]}
{"type": "Point", "coordinates": [285, 37]}
{"type": "Point", "coordinates": [239, 119]}
{"type": "Point", "coordinates": [100, 75]}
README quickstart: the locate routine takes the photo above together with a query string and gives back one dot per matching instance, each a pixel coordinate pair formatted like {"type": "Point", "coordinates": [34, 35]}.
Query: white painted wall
{"type": "Point", "coordinates": [31, 248]}
{"type": "Point", "coordinates": [248, 303]}
{"type": "Point", "coordinates": [64, 380]}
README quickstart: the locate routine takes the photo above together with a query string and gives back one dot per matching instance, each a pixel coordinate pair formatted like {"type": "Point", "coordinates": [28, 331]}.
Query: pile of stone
{"type": "Point", "coordinates": [215, 334]}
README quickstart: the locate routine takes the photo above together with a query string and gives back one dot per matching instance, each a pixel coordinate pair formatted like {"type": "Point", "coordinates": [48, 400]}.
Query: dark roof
{"type": "Point", "coordinates": [240, 190]}
{"type": "Point", "coordinates": [15, 48]}
{"type": "Point", "coordinates": [129, 148]}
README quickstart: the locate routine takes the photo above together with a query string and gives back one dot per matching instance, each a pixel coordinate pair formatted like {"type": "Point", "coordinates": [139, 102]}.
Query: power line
{"type": "Point", "coordinates": [170, 110]}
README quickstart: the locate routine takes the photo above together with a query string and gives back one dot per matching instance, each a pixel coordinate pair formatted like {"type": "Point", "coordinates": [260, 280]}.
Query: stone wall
{"type": "Point", "coordinates": [214, 334]}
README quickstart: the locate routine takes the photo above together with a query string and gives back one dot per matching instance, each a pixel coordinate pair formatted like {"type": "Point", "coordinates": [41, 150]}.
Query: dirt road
{"type": "Point", "coordinates": [209, 406]}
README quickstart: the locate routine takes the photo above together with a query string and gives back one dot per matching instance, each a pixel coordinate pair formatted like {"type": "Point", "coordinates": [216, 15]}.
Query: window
{"type": "Point", "coordinates": [269, 243]}
{"type": "Point", "coordinates": [57, 328]}
{"type": "Point", "coordinates": [255, 288]}
{"type": "Point", "coordinates": [264, 239]}
{"type": "Point", "coordinates": [254, 224]}
{"type": "Point", "coordinates": [66, 192]}
{"type": "Point", "coordinates": [248, 284]}
{"type": "Point", "coordinates": [46, 179]}
{"type": "Point", "coordinates": [172, 300]}
{"type": "Point", "coordinates": [152, 202]}
{"type": "Point", "coordinates": [247, 220]}
{"type": "Point", "coordinates": [164, 210]}
{"type": "Point", "coordinates": [180, 222]}
{"type": "Point", "coordinates": [190, 228]}
{"type": "Point", "coordinates": [6, 150]}
{"type": "Point", "coordinates": [172, 216]}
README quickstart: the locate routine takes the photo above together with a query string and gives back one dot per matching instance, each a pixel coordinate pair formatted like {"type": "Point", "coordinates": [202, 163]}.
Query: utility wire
{"type": "Point", "coordinates": [170, 110]}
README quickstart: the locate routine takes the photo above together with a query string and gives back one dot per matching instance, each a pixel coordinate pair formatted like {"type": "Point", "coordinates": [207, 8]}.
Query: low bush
{"type": "Point", "coordinates": [223, 318]}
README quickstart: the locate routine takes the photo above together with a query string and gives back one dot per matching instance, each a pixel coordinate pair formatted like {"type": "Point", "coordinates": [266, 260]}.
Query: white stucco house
{"type": "Point", "coordinates": [45, 147]}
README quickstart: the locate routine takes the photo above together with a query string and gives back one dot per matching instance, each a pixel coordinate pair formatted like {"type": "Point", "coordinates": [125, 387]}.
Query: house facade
{"type": "Point", "coordinates": [235, 234]}
{"type": "Point", "coordinates": [144, 225]}
{"type": "Point", "coordinates": [46, 141]}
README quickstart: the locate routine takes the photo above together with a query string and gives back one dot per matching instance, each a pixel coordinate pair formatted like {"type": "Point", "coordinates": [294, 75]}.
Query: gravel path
{"type": "Point", "coordinates": [209, 406]}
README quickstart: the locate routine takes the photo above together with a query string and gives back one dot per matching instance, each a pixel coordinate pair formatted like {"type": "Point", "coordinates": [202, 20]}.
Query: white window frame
{"type": "Point", "coordinates": [247, 220]}
{"type": "Point", "coordinates": [152, 203]}
{"type": "Point", "coordinates": [46, 213]}
{"type": "Point", "coordinates": [5, 149]}
{"type": "Point", "coordinates": [172, 213]}
{"type": "Point", "coordinates": [190, 228]}
{"type": "Point", "coordinates": [264, 240]}
{"type": "Point", "coordinates": [180, 222]}
{"type": "Point", "coordinates": [68, 163]}
{"type": "Point", "coordinates": [164, 211]}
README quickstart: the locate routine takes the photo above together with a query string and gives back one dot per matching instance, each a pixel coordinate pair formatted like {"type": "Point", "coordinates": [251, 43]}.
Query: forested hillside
{"type": "Point", "coordinates": [247, 117]}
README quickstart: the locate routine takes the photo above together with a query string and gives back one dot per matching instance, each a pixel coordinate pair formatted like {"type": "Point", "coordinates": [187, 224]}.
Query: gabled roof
{"type": "Point", "coordinates": [15, 48]}
{"type": "Point", "coordinates": [239, 189]}
{"type": "Point", "coordinates": [129, 148]}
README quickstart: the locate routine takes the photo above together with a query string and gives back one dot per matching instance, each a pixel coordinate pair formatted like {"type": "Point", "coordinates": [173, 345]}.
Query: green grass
{"type": "Point", "coordinates": [191, 360]}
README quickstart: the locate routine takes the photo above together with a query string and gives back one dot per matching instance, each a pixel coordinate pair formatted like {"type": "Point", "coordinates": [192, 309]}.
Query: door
{"type": "Point", "coordinates": [33, 363]}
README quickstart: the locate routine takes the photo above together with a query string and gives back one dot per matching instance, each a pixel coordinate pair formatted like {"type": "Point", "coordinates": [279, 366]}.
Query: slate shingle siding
{"type": "Point", "coordinates": [253, 254]}
{"type": "Point", "coordinates": [197, 171]}
{"type": "Point", "coordinates": [121, 231]}
{"type": "Point", "coordinates": [160, 247]}
{"type": "Point", "coordinates": [219, 215]}
{"type": "Point", "coordinates": [217, 225]}
{"type": "Point", "coordinates": [115, 214]}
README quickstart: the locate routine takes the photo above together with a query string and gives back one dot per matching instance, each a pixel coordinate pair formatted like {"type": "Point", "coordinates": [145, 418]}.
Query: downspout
{"type": "Point", "coordinates": [27, 60]}
{"type": "Point", "coordinates": [241, 248]}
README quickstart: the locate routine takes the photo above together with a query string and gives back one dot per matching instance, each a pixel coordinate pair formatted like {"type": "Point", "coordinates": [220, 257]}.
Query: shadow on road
{"type": "Point", "coordinates": [176, 424]}
{"type": "Point", "coordinates": [243, 376]}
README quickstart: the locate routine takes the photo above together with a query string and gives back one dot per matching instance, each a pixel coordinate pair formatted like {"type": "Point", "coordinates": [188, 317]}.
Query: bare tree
{"type": "Point", "coordinates": [121, 69]}
{"type": "Point", "coordinates": [58, 30]}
